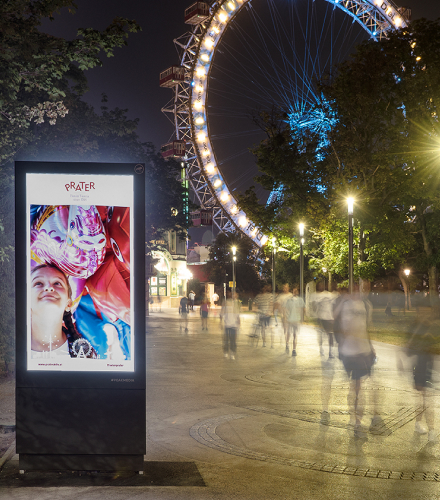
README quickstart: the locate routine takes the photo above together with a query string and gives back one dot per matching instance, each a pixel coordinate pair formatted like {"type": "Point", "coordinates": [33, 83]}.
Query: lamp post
{"type": "Point", "coordinates": [234, 258]}
{"type": "Point", "coordinates": [324, 270]}
{"type": "Point", "coordinates": [407, 271]}
{"type": "Point", "coordinates": [350, 243]}
{"type": "Point", "coordinates": [301, 261]}
{"type": "Point", "coordinates": [274, 251]}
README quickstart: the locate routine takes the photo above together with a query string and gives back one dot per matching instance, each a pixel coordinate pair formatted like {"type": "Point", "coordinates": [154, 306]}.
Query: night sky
{"type": "Point", "coordinates": [131, 78]}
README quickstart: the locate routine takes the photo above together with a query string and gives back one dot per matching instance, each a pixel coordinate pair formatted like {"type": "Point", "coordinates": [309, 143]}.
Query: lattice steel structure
{"type": "Point", "coordinates": [187, 109]}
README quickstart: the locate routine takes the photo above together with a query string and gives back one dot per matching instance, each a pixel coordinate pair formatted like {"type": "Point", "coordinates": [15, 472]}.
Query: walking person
{"type": "Point", "coordinates": [420, 350]}
{"type": "Point", "coordinates": [191, 297]}
{"type": "Point", "coordinates": [324, 311]}
{"type": "Point", "coordinates": [231, 321]}
{"type": "Point", "coordinates": [265, 303]}
{"type": "Point", "coordinates": [204, 311]}
{"type": "Point", "coordinates": [183, 311]}
{"type": "Point", "coordinates": [353, 315]}
{"type": "Point", "coordinates": [294, 307]}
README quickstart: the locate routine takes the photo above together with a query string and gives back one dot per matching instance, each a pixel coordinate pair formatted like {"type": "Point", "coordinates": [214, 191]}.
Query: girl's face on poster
{"type": "Point", "coordinates": [49, 292]}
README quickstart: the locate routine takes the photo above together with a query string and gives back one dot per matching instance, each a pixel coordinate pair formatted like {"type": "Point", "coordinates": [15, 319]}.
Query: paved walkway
{"type": "Point", "coordinates": [254, 428]}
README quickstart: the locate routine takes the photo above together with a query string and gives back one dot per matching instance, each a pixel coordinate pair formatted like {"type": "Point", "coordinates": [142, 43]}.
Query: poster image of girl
{"type": "Point", "coordinates": [80, 288]}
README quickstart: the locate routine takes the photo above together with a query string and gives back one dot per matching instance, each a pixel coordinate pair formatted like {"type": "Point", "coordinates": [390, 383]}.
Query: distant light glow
{"type": "Point", "coordinates": [204, 57]}
{"type": "Point", "coordinates": [223, 17]}
{"type": "Point", "coordinates": [210, 167]}
{"type": "Point", "coordinates": [264, 240]}
{"type": "Point", "coordinates": [217, 183]}
{"type": "Point", "coordinates": [200, 120]}
{"type": "Point", "coordinates": [242, 221]}
{"type": "Point", "coordinates": [201, 137]}
{"type": "Point", "coordinates": [200, 71]}
{"type": "Point", "coordinates": [209, 43]}
{"type": "Point", "coordinates": [224, 197]}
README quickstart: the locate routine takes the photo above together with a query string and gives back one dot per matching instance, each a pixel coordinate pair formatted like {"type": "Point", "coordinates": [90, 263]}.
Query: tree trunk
{"type": "Point", "coordinates": [329, 281]}
{"type": "Point", "coordinates": [405, 284]}
{"type": "Point", "coordinates": [432, 270]}
{"type": "Point", "coordinates": [364, 287]}
{"type": "Point", "coordinates": [433, 289]}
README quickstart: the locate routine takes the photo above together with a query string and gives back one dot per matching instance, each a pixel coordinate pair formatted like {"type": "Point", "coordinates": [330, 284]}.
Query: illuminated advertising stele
{"type": "Point", "coordinates": [80, 272]}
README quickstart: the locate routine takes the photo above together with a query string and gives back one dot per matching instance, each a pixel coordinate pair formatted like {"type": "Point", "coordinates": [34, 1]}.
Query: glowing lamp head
{"type": "Point", "coordinates": [301, 229]}
{"type": "Point", "coordinates": [204, 57]}
{"type": "Point", "coordinates": [350, 202]}
{"type": "Point", "coordinates": [234, 250]}
{"type": "Point", "coordinates": [201, 137]}
{"type": "Point", "coordinates": [209, 43]}
{"type": "Point", "coordinates": [264, 240]}
{"type": "Point", "coordinates": [210, 168]}
{"type": "Point", "coordinates": [242, 221]}
{"type": "Point", "coordinates": [234, 209]}
{"type": "Point", "coordinates": [224, 197]}
{"type": "Point", "coordinates": [198, 105]}
{"type": "Point", "coordinates": [407, 271]}
{"type": "Point", "coordinates": [200, 120]}
{"type": "Point", "coordinates": [217, 183]}
{"type": "Point", "coordinates": [223, 17]}
{"type": "Point", "coordinates": [200, 71]}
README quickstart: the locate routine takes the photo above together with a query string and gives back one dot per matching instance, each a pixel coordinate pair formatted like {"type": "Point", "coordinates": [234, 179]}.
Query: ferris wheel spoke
{"type": "Point", "coordinates": [272, 54]}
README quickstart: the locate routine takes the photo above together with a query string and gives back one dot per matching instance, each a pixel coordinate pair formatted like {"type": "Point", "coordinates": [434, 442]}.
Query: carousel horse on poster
{"type": "Point", "coordinates": [91, 245]}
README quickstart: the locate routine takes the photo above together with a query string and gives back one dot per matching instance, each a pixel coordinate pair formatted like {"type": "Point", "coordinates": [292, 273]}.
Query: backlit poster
{"type": "Point", "coordinates": [80, 272]}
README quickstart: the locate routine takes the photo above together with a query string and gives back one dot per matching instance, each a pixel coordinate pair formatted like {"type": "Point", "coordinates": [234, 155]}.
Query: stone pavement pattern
{"type": "Point", "coordinates": [252, 428]}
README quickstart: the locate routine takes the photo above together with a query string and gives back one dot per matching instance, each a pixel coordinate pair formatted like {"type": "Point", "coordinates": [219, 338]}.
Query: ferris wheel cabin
{"type": "Point", "coordinates": [175, 149]}
{"type": "Point", "coordinates": [202, 217]}
{"type": "Point", "coordinates": [198, 12]}
{"type": "Point", "coordinates": [172, 76]}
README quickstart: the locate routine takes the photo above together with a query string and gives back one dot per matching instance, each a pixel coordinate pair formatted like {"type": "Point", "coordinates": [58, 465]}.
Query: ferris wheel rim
{"type": "Point", "coordinates": [377, 17]}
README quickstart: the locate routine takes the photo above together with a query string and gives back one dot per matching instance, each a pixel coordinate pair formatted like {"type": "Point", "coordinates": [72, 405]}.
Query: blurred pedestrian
{"type": "Point", "coordinates": [294, 308]}
{"type": "Point", "coordinates": [265, 304]}
{"type": "Point", "coordinates": [214, 299]}
{"type": "Point", "coordinates": [192, 298]}
{"type": "Point", "coordinates": [230, 316]}
{"type": "Point", "coordinates": [425, 334]}
{"type": "Point", "coordinates": [204, 311]}
{"type": "Point", "coordinates": [183, 311]}
{"type": "Point", "coordinates": [324, 310]}
{"type": "Point", "coordinates": [353, 316]}
{"type": "Point", "coordinates": [280, 307]}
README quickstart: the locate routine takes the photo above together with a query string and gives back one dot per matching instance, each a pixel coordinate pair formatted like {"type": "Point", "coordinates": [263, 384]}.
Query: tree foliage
{"type": "Point", "coordinates": [383, 149]}
{"type": "Point", "coordinates": [219, 265]}
{"type": "Point", "coordinates": [36, 69]}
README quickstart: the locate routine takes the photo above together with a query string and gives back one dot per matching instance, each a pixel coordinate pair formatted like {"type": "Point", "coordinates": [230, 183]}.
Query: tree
{"type": "Point", "coordinates": [382, 149]}
{"type": "Point", "coordinates": [247, 267]}
{"type": "Point", "coordinates": [36, 69]}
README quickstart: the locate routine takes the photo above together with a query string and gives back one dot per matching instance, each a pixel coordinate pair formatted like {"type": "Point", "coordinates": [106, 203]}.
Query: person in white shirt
{"type": "Point", "coordinates": [231, 321]}
{"type": "Point", "coordinates": [294, 307]}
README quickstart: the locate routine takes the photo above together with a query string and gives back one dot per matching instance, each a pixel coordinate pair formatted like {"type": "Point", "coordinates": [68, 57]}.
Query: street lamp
{"type": "Point", "coordinates": [324, 270]}
{"type": "Point", "coordinates": [350, 243]}
{"type": "Point", "coordinates": [234, 258]}
{"type": "Point", "coordinates": [274, 251]}
{"type": "Point", "coordinates": [301, 261]}
{"type": "Point", "coordinates": [407, 271]}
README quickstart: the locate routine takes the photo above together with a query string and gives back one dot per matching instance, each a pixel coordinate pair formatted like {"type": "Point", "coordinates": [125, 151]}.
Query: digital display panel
{"type": "Point", "coordinates": [80, 272]}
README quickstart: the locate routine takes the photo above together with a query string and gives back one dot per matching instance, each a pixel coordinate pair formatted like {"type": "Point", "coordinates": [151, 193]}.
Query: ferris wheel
{"type": "Point", "coordinates": [274, 57]}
